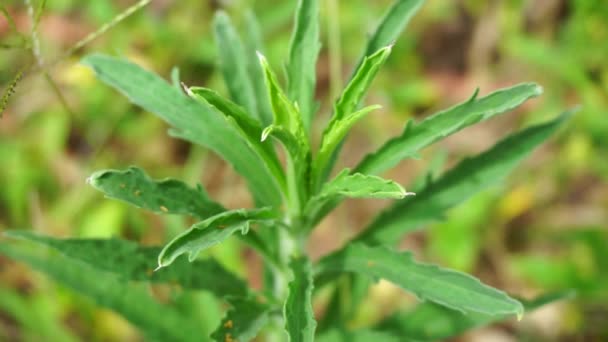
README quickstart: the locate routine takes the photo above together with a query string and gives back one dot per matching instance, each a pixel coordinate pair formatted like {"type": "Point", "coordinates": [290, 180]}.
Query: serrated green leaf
{"type": "Point", "coordinates": [455, 290]}
{"type": "Point", "coordinates": [212, 231]}
{"type": "Point", "coordinates": [131, 261]}
{"type": "Point", "coordinates": [303, 53]}
{"type": "Point", "coordinates": [249, 127]}
{"type": "Point", "coordinates": [167, 196]}
{"type": "Point", "coordinates": [355, 185]}
{"type": "Point", "coordinates": [436, 127]}
{"type": "Point", "coordinates": [157, 322]}
{"type": "Point", "coordinates": [345, 114]}
{"type": "Point", "coordinates": [392, 24]}
{"type": "Point", "coordinates": [358, 185]}
{"type": "Point", "coordinates": [432, 322]}
{"type": "Point", "coordinates": [233, 63]}
{"type": "Point", "coordinates": [253, 44]}
{"type": "Point", "coordinates": [192, 120]}
{"type": "Point", "coordinates": [243, 321]}
{"type": "Point", "coordinates": [467, 178]}
{"type": "Point", "coordinates": [300, 322]}
{"type": "Point", "coordinates": [361, 335]}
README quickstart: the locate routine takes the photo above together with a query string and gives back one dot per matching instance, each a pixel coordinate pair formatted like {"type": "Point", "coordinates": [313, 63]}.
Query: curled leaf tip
{"type": "Point", "coordinates": [187, 89]}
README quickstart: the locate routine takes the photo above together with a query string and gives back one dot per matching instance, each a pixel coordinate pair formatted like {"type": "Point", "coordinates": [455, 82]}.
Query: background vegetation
{"type": "Point", "coordinates": [544, 230]}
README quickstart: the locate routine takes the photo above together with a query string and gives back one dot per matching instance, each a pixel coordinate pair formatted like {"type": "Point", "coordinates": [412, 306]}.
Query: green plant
{"type": "Point", "coordinates": [290, 198]}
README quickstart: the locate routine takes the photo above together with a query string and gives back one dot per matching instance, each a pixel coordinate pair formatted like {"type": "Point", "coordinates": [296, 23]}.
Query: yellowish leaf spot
{"type": "Point", "coordinates": [228, 324]}
{"type": "Point", "coordinates": [164, 209]}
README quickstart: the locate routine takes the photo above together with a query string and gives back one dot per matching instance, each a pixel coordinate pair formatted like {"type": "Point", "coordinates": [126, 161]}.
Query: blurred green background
{"type": "Point", "coordinates": [545, 229]}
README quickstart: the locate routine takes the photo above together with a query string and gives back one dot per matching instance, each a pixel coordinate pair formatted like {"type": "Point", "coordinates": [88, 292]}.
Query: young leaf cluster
{"type": "Point", "coordinates": [247, 129]}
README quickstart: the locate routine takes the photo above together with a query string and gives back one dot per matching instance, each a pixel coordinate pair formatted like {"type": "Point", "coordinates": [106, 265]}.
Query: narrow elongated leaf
{"type": "Point", "coordinates": [156, 321]}
{"type": "Point", "coordinates": [417, 136]}
{"type": "Point", "coordinates": [288, 128]}
{"type": "Point", "coordinates": [432, 322]}
{"type": "Point", "coordinates": [299, 317]}
{"type": "Point", "coordinates": [392, 24]}
{"type": "Point", "coordinates": [249, 127]}
{"type": "Point", "coordinates": [210, 232]}
{"type": "Point", "coordinates": [345, 113]}
{"type": "Point", "coordinates": [233, 64]}
{"type": "Point", "coordinates": [467, 178]}
{"type": "Point", "coordinates": [358, 185]}
{"type": "Point", "coordinates": [303, 54]}
{"type": "Point", "coordinates": [362, 335]}
{"type": "Point", "coordinates": [243, 321]}
{"type": "Point", "coordinates": [168, 196]}
{"type": "Point", "coordinates": [355, 185]}
{"type": "Point", "coordinates": [131, 261]}
{"type": "Point", "coordinates": [456, 290]}
{"type": "Point", "coordinates": [253, 44]}
{"type": "Point", "coordinates": [192, 120]}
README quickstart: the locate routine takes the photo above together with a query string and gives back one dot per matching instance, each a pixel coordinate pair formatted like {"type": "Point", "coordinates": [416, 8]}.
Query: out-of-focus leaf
{"type": "Point", "coordinates": [131, 261]}
{"type": "Point", "coordinates": [192, 120]}
{"type": "Point", "coordinates": [467, 178]}
{"type": "Point", "coordinates": [300, 322]}
{"type": "Point", "coordinates": [447, 122]}
{"type": "Point", "coordinates": [212, 231]}
{"type": "Point", "coordinates": [168, 196]}
{"type": "Point", "coordinates": [251, 128]}
{"type": "Point", "coordinates": [456, 290]}
{"type": "Point", "coordinates": [432, 322]}
{"type": "Point", "coordinates": [156, 321]}
{"type": "Point", "coordinates": [392, 24]}
{"type": "Point", "coordinates": [253, 44]}
{"type": "Point", "coordinates": [303, 54]}
{"type": "Point", "coordinates": [243, 321]}
{"type": "Point", "coordinates": [233, 64]}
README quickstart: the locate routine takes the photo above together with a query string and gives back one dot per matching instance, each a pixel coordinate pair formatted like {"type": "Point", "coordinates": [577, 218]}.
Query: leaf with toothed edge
{"type": "Point", "coordinates": [452, 289]}
{"type": "Point", "coordinates": [212, 231]}
{"type": "Point", "coordinates": [168, 196]}
{"type": "Point", "coordinates": [447, 122]}
{"type": "Point", "coordinates": [131, 261]}
{"type": "Point", "coordinates": [243, 321]}
{"type": "Point", "coordinates": [300, 322]}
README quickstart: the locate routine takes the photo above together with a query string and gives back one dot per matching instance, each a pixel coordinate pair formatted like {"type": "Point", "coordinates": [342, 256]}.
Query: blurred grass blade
{"type": "Point", "coordinates": [345, 112]}
{"type": "Point", "coordinates": [243, 321]}
{"type": "Point", "coordinates": [303, 53]}
{"type": "Point", "coordinates": [467, 178]}
{"type": "Point", "coordinates": [361, 335]}
{"type": "Point", "coordinates": [157, 322]}
{"type": "Point", "coordinates": [210, 232]}
{"type": "Point", "coordinates": [392, 24]}
{"type": "Point", "coordinates": [193, 121]}
{"type": "Point", "coordinates": [456, 290]}
{"type": "Point", "coordinates": [300, 322]}
{"type": "Point", "coordinates": [167, 196]}
{"type": "Point", "coordinates": [436, 127]}
{"type": "Point", "coordinates": [250, 128]}
{"type": "Point", "coordinates": [432, 322]}
{"type": "Point", "coordinates": [130, 261]}
{"type": "Point", "coordinates": [253, 44]}
{"type": "Point", "coordinates": [233, 64]}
